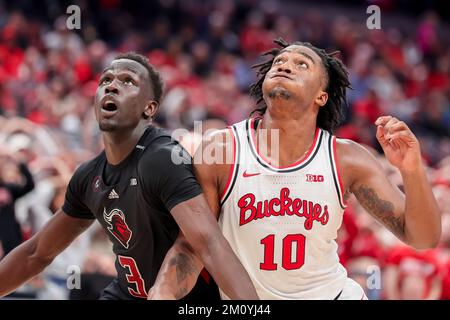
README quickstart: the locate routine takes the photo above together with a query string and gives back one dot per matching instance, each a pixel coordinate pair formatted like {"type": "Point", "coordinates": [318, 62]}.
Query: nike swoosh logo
{"type": "Point", "coordinates": [246, 175]}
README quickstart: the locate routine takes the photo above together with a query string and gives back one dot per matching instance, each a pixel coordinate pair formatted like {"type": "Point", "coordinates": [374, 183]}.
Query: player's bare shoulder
{"type": "Point", "coordinates": [354, 160]}
{"type": "Point", "coordinates": [215, 154]}
{"type": "Point", "coordinates": [348, 149]}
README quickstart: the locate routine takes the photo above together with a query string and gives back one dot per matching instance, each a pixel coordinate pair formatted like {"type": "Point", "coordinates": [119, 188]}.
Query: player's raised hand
{"type": "Point", "coordinates": [400, 145]}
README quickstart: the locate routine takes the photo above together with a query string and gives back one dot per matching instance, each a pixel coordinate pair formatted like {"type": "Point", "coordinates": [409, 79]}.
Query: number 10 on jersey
{"type": "Point", "coordinates": [289, 261]}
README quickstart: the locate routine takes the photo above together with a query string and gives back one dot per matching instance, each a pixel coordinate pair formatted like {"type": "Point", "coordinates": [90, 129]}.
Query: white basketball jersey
{"type": "Point", "coordinates": [282, 222]}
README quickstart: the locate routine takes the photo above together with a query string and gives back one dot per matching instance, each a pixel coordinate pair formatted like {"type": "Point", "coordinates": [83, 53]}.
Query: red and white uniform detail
{"type": "Point", "coordinates": [282, 222]}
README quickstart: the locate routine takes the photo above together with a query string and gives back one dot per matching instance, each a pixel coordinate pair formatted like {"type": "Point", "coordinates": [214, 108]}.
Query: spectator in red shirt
{"type": "Point", "coordinates": [411, 274]}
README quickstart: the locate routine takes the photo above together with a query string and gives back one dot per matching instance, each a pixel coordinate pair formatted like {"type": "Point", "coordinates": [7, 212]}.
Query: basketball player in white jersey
{"type": "Point", "coordinates": [281, 211]}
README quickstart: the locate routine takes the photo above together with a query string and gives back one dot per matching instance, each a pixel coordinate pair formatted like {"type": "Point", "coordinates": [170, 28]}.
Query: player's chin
{"type": "Point", "coordinates": [107, 125]}
{"type": "Point", "coordinates": [279, 92]}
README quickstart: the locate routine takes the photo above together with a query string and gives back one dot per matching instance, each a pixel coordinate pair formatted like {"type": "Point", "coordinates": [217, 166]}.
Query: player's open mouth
{"type": "Point", "coordinates": [109, 108]}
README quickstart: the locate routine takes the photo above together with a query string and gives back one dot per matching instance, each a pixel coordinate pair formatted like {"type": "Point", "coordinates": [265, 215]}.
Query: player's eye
{"type": "Point", "coordinates": [129, 82]}
{"type": "Point", "coordinates": [277, 61]}
{"type": "Point", "coordinates": [303, 65]}
{"type": "Point", "coordinates": [105, 80]}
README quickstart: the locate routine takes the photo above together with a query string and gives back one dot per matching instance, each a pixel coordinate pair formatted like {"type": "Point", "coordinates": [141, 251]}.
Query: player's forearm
{"type": "Point", "coordinates": [227, 270]}
{"type": "Point", "coordinates": [178, 273]}
{"type": "Point", "coordinates": [19, 266]}
{"type": "Point", "coordinates": [422, 216]}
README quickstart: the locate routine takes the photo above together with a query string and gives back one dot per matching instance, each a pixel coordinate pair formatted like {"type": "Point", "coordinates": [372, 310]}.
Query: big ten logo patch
{"type": "Point", "coordinates": [314, 178]}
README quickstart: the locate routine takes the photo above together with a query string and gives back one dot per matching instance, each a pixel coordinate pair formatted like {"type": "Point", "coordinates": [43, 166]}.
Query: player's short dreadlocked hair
{"type": "Point", "coordinates": [156, 81]}
{"type": "Point", "coordinates": [331, 114]}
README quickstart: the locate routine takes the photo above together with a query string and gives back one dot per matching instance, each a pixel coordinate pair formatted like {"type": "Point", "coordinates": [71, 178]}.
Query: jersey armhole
{"type": "Point", "coordinates": [234, 166]}
{"type": "Point", "coordinates": [336, 171]}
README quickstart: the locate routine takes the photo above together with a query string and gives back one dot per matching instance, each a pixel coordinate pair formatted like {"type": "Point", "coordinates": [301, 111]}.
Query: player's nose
{"type": "Point", "coordinates": [111, 88]}
{"type": "Point", "coordinates": [284, 68]}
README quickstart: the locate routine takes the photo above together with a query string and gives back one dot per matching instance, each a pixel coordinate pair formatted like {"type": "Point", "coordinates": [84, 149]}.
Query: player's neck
{"type": "Point", "coordinates": [119, 144]}
{"type": "Point", "coordinates": [296, 135]}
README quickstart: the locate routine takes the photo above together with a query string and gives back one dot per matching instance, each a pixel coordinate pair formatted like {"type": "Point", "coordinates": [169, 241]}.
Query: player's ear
{"type": "Point", "coordinates": [321, 98]}
{"type": "Point", "coordinates": [150, 109]}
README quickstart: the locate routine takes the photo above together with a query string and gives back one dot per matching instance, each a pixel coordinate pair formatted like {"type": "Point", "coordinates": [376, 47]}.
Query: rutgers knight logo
{"type": "Point", "coordinates": [118, 226]}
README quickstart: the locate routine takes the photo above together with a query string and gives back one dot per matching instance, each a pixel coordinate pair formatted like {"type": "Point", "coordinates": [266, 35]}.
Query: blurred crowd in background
{"type": "Point", "coordinates": [204, 51]}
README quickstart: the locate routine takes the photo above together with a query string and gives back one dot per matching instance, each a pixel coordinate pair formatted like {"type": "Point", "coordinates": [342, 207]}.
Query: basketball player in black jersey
{"type": "Point", "coordinates": [138, 191]}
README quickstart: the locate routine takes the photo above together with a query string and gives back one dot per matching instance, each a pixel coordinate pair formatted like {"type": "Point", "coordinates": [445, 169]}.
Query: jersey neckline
{"type": "Point", "coordinates": [302, 162]}
{"type": "Point", "coordinates": [122, 164]}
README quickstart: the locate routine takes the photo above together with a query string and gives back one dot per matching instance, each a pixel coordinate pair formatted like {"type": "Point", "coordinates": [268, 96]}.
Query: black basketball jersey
{"type": "Point", "coordinates": [132, 201]}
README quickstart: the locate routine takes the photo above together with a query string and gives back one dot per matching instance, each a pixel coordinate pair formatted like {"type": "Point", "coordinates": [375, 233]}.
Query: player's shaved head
{"type": "Point", "coordinates": [155, 79]}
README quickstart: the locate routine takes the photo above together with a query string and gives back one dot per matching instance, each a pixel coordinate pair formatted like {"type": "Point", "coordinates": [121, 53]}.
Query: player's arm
{"type": "Point", "coordinates": [204, 235]}
{"type": "Point", "coordinates": [181, 267]}
{"type": "Point", "coordinates": [32, 256]}
{"type": "Point", "coordinates": [412, 216]}
{"type": "Point", "coordinates": [178, 273]}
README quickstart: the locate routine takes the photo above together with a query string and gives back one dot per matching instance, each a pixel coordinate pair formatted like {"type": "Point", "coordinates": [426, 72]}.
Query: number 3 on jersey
{"type": "Point", "coordinates": [133, 277]}
{"type": "Point", "coordinates": [287, 263]}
